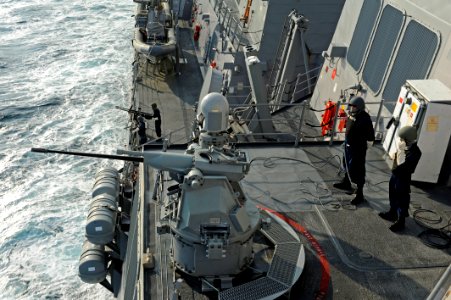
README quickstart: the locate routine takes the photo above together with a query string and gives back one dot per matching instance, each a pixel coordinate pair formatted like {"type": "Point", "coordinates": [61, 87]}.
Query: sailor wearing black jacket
{"type": "Point", "coordinates": [359, 131]}
{"type": "Point", "coordinates": [404, 164]}
{"type": "Point", "coordinates": [157, 116]}
{"type": "Point", "coordinates": [141, 130]}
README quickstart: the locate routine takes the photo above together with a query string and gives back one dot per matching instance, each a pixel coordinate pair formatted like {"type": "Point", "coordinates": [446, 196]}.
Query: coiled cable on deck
{"type": "Point", "coordinates": [439, 238]}
{"type": "Point", "coordinates": [321, 195]}
{"type": "Point", "coordinates": [269, 162]}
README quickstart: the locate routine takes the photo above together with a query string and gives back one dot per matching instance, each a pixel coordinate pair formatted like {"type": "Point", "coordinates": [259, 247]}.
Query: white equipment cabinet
{"type": "Point", "coordinates": [425, 104]}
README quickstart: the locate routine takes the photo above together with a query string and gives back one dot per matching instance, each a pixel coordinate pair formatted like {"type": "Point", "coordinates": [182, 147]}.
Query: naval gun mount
{"type": "Point", "coordinates": [216, 234]}
{"type": "Point", "coordinates": [211, 222]}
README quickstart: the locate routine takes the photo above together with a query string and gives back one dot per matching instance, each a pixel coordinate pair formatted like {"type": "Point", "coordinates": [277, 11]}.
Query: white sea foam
{"type": "Point", "coordinates": [64, 65]}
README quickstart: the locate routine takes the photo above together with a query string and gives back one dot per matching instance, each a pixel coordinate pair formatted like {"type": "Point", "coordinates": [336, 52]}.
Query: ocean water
{"type": "Point", "coordinates": [64, 65]}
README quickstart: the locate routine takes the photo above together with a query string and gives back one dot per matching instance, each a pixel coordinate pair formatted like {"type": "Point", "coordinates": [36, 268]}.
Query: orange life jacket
{"type": "Point", "coordinates": [343, 117]}
{"type": "Point", "coordinates": [328, 117]}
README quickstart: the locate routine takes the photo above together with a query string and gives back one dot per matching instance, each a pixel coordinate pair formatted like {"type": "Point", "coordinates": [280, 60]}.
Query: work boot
{"type": "Point", "coordinates": [358, 197]}
{"type": "Point", "coordinates": [390, 215]}
{"type": "Point", "coordinates": [399, 225]}
{"type": "Point", "coordinates": [345, 184]}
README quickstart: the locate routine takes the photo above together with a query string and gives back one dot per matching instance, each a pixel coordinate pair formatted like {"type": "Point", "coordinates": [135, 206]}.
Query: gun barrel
{"type": "Point", "coordinates": [95, 155]}
{"type": "Point", "coordinates": [133, 111]}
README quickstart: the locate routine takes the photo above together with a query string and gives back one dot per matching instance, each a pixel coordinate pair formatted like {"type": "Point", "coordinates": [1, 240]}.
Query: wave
{"type": "Point", "coordinates": [64, 65]}
{"type": "Point", "coordinates": [17, 113]}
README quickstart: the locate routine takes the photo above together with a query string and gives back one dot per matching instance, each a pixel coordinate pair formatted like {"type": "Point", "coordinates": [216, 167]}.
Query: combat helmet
{"type": "Point", "coordinates": [408, 133]}
{"type": "Point", "coordinates": [358, 102]}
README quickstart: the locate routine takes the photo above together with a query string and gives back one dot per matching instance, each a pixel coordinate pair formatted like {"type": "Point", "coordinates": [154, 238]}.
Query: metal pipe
{"type": "Point", "coordinates": [378, 115]}
{"type": "Point", "coordinates": [156, 186]}
{"type": "Point", "coordinates": [229, 21]}
{"type": "Point", "coordinates": [234, 32]}
{"type": "Point", "coordinates": [298, 77]}
{"type": "Point", "coordinates": [285, 50]}
{"type": "Point", "coordinates": [304, 54]}
{"type": "Point", "coordinates": [207, 49]}
{"type": "Point", "coordinates": [441, 287]}
{"type": "Point", "coordinates": [301, 120]}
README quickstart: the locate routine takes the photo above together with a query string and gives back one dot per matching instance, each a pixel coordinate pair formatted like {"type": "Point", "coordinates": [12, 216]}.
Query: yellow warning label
{"type": "Point", "coordinates": [414, 107]}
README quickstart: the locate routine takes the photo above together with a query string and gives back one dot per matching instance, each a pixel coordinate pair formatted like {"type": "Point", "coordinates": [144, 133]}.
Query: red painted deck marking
{"type": "Point", "coordinates": [325, 275]}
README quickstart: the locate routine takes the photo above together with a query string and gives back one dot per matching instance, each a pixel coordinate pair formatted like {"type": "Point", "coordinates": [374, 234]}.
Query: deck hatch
{"type": "Point", "coordinates": [257, 289]}
{"type": "Point", "coordinates": [278, 234]}
{"type": "Point", "coordinates": [414, 58]}
{"type": "Point", "coordinates": [362, 32]}
{"type": "Point", "coordinates": [283, 266]}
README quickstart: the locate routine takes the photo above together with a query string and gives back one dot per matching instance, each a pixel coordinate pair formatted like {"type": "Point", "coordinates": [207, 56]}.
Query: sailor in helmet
{"type": "Point", "coordinates": [141, 130]}
{"type": "Point", "coordinates": [404, 164]}
{"type": "Point", "coordinates": [359, 131]}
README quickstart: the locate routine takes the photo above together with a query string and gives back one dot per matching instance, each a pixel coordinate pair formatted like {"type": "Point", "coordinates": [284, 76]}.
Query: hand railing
{"type": "Point", "coordinates": [241, 113]}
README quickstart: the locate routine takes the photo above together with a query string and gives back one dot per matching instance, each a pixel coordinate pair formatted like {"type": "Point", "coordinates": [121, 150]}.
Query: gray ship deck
{"type": "Point", "coordinates": [366, 260]}
{"type": "Point", "coordinates": [174, 95]}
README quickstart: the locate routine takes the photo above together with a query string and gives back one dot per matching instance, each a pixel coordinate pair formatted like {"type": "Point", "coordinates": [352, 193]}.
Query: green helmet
{"type": "Point", "coordinates": [358, 102]}
{"type": "Point", "coordinates": [408, 133]}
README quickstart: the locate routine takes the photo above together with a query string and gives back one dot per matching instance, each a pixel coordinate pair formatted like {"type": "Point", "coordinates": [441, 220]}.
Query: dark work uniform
{"type": "Point", "coordinates": [142, 132]}
{"type": "Point", "coordinates": [157, 116]}
{"type": "Point", "coordinates": [399, 186]}
{"type": "Point", "coordinates": [358, 132]}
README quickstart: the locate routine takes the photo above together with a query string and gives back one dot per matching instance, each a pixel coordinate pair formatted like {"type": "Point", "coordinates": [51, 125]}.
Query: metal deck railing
{"type": "Point", "coordinates": [297, 127]}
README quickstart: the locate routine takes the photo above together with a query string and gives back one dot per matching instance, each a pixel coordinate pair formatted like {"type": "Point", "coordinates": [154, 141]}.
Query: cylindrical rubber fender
{"type": "Point", "coordinates": [92, 265]}
{"type": "Point", "coordinates": [101, 221]}
{"type": "Point", "coordinates": [107, 172]}
{"type": "Point", "coordinates": [106, 182]}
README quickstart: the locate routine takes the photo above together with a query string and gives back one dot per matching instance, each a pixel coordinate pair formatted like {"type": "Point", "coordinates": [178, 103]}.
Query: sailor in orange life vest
{"type": "Point", "coordinates": [359, 131]}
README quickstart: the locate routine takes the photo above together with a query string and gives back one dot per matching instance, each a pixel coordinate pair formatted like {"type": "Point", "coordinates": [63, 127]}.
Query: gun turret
{"type": "Point", "coordinates": [166, 161]}
{"type": "Point", "coordinates": [136, 112]}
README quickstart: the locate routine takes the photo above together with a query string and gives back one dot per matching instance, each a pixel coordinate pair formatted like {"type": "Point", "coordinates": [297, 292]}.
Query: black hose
{"type": "Point", "coordinates": [435, 238]}
{"type": "Point", "coordinates": [422, 220]}
{"type": "Point", "coordinates": [320, 110]}
{"type": "Point", "coordinates": [439, 238]}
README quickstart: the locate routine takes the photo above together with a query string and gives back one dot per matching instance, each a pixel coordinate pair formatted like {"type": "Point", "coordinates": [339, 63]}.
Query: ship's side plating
{"type": "Point", "coordinates": [390, 42]}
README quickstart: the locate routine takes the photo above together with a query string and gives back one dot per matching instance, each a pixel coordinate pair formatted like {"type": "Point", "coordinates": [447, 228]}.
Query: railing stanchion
{"type": "Point", "coordinates": [301, 120]}
{"type": "Point", "coordinates": [298, 79]}
{"type": "Point", "coordinates": [379, 112]}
